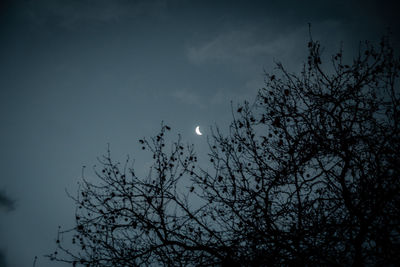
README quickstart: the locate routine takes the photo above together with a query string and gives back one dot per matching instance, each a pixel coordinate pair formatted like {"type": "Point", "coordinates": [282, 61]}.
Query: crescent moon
{"type": "Point", "coordinates": [198, 130]}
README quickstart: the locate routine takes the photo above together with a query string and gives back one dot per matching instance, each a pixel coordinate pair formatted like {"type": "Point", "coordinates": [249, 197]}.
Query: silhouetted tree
{"type": "Point", "coordinates": [307, 175]}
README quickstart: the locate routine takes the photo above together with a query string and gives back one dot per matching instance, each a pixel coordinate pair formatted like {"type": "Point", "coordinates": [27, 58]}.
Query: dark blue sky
{"type": "Point", "coordinates": [76, 75]}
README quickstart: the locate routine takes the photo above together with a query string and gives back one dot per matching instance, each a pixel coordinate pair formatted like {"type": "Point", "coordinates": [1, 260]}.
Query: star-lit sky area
{"type": "Point", "coordinates": [77, 75]}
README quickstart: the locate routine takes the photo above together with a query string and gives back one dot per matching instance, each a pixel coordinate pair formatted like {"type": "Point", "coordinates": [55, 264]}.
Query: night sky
{"type": "Point", "coordinates": [77, 75]}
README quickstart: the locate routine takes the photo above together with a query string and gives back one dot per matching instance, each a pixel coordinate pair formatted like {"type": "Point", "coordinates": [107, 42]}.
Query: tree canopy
{"type": "Point", "coordinates": [308, 174]}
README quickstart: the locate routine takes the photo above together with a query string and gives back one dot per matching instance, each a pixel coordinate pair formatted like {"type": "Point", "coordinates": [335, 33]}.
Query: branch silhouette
{"type": "Point", "coordinates": [307, 175]}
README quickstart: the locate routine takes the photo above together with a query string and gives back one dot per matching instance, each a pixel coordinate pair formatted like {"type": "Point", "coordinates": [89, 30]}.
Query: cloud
{"type": "Point", "coordinates": [226, 47]}
{"type": "Point", "coordinates": [251, 50]}
{"type": "Point", "coordinates": [220, 96]}
{"type": "Point", "coordinates": [236, 47]}
{"type": "Point", "coordinates": [248, 51]}
{"type": "Point", "coordinates": [189, 98]}
{"type": "Point", "coordinates": [224, 96]}
{"type": "Point", "coordinates": [71, 14]}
